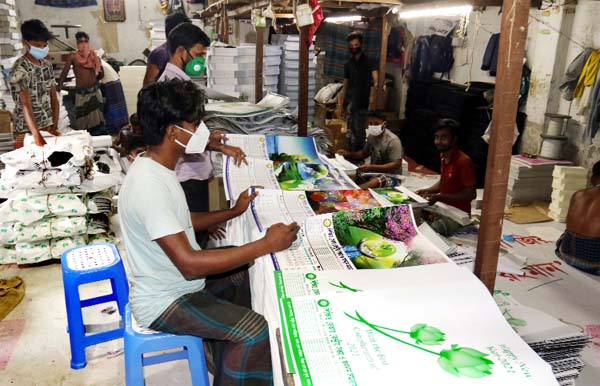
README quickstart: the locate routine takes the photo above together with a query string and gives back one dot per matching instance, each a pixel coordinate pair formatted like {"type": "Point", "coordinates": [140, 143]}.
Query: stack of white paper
{"type": "Point", "coordinates": [531, 179]}
{"type": "Point", "coordinates": [231, 70]}
{"type": "Point", "coordinates": [421, 326]}
{"type": "Point", "coordinates": [289, 80]}
{"type": "Point", "coordinates": [157, 34]}
{"type": "Point", "coordinates": [557, 343]}
{"type": "Point", "coordinates": [11, 48]}
{"type": "Point", "coordinates": [567, 180]}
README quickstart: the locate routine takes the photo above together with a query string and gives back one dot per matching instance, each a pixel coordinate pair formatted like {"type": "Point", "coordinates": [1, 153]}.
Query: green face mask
{"type": "Point", "coordinates": [196, 66]}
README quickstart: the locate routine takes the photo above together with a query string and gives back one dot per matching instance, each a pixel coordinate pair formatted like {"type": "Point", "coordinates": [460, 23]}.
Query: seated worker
{"type": "Point", "coordinates": [579, 245]}
{"type": "Point", "coordinates": [33, 86]}
{"type": "Point", "coordinates": [172, 289]}
{"type": "Point", "coordinates": [457, 184]}
{"type": "Point", "coordinates": [188, 43]}
{"type": "Point", "coordinates": [385, 150]}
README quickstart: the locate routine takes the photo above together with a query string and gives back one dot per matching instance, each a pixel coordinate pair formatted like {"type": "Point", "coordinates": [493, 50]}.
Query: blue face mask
{"type": "Point", "coordinates": [39, 53]}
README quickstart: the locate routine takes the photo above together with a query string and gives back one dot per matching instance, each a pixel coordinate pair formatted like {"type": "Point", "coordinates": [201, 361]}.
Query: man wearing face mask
{"type": "Point", "coordinates": [33, 86]}
{"type": "Point", "coordinates": [385, 150]}
{"type": "Point", "coordinates": [176, 287]}
{"type": "Point", "coordinates": [359, 74]}
{"type": "Point", "coordinates": [457, 184]}
{"type": "Point", "coordinates": [188, 44]}
{"type": "Point", "coordinates": [89, 103]}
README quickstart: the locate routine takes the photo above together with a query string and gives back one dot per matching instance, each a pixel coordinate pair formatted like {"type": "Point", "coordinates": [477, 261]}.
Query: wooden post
{"type": "Point", "coordinates": [303, 84]}
{"type": "Point", "coordinates": [225, 25]}
{"type": "Point", "coordinates": [258, 70]}
{"type": "Point", "coordinates": [385, 32]}
{"type": "Point", "coordinates": [513, 32]}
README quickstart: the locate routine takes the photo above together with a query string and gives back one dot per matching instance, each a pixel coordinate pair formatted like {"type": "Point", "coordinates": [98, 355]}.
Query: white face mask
{"type": "Point", "coordinates": [198, 141]}
{"type": "Point", "coordinates": [375, 131]}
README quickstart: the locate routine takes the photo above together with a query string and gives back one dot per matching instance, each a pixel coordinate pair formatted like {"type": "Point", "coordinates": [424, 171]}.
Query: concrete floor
{"type": "Point", "coordinates": [41, 356]}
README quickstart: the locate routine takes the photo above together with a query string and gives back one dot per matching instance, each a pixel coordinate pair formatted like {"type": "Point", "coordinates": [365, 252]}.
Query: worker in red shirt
{"type": "Point", "coordinates": [456, 186]}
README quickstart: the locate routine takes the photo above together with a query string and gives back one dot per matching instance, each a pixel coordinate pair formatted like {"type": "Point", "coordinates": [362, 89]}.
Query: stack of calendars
{"type": "Point", "coordinates": [566, 181]}
{"type": "Point", "coordinates": [557, 343]}
{"type": "Point", "coordinates": [289, 83]}
{"type": "Point", "coordinates": [530, 179]}
{"type": "Point", "coordinates": [231, 70]}
{"type": "Point", "coordinates": [421, 326]}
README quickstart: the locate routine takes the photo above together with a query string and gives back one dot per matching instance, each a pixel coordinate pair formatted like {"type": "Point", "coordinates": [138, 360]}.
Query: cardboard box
{"type": "Point", "coordinates": [336, 130]}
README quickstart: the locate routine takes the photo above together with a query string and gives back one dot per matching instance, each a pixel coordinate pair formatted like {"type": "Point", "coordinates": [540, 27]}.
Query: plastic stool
{"type": "Point", "coordinates": [137, 344]}
{"type": "Point", "coordinates": [88, 264]}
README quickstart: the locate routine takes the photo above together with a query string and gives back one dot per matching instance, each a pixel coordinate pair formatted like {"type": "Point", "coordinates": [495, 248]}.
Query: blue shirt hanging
{"type": "Point", "coordinates": [66, 3]}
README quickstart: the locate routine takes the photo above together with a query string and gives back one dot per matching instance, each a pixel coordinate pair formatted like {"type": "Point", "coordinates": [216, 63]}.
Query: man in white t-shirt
{"type": "Point", "coordinates": [176, 287]}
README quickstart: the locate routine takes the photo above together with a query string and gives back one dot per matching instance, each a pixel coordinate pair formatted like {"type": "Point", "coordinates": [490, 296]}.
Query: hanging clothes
{"type": "Point", "coordinates": [317, 19]}
{"type": "Point", "coordinates": [593, 123]}
{"type": "Point", "coordinates": [490, 57]}
{"type": "Point", "coordinates": [572, 74]}
{"type": "Point", "coordinates": [395, 46]}
{"type": "Point", "coordinates": [66, 3]}
{"type": "Point", "coordinates": [588, 74]}
{"type": "Point", "coordinates": [420, 64]}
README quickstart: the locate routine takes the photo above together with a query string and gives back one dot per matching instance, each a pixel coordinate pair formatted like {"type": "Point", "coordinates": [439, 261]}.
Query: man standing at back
{"type": "Point", "coordinates": [159, 57]}
{"type": "Point", "coordinates": [187, 46]}
{"type": "Point", "coordinates": [89, 102]}
{"type": "Point", "coordinates": [359, 74]}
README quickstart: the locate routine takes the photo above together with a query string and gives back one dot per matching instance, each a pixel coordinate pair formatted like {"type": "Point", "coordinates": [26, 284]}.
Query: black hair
{"type": "Point", "coordinates": [134, 120]}
{"type": "Point", "coordinates": [134, 142]}
{"type": "Point", "coordinates": [80, 35]}
{"type": "Point", "coordinates": [162, 104]}
{"type": "Point", "coordinates": [173, 20]}
{"type": "Point", "coordinates": [35, 30]}
{"type": "Point", "coordinates": [596, 170]}
{"type": "Point", "coordinates": [376, 114]}
{"type": "Point", "coordinates": [355, 35]}
{"type": "Point", "coordinates": [447, 124]}
{"type": "Point", "coordinates": [186, 35]}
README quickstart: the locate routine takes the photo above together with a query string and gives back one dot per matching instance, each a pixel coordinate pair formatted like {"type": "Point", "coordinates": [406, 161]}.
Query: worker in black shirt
{"type": "Point", "coordinates": [359, 74]}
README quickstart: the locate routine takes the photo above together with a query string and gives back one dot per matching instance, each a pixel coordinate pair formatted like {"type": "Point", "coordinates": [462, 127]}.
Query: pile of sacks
{"type": "Point", "coordinates": [57, 198]}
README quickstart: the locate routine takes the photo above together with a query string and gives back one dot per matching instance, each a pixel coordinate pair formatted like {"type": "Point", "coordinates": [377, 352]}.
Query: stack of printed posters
{"type": "Point", "coordinates": [556, 342]}
{"type": "Point", "coordinates": [280, 162]}
{"type": "Point", "coordinates": [418, 326]}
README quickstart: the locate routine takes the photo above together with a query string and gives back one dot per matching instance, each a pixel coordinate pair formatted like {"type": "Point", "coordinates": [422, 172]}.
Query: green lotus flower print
{"type": "Point", "coordinates": [465, 361]}
{"type": "Point", "coordinates": [427, 335]}
{"type": "Point", "coordinates": [459, 361]}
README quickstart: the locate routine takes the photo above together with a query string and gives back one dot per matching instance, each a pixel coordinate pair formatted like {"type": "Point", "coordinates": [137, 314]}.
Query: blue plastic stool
{"type": "Point", "coordinates": [88, 264]}
{"type": "Point", "coordinates": [137, 344]}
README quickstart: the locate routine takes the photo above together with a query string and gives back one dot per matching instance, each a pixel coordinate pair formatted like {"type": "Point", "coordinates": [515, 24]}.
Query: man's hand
{"type": "Point", "coordinates": [54, 131]}
{"type": "Point", "coordinates": [342, 152]}
{"type": "Point", "coordinates": [423, 192]}
{"type": "Point", "coordinates": [364, 168]}
{"type": "Point", "coordinates": [433, 198]}
{"type": "Point", "coordinates": [236, 153]}
{"type": "Point", "coordinates": [243, 201]}
{"type": "Point", "coordinates": [39, 140]}
{"type": "Point", "coordinates": [280, 236]}
{"type": "Point", "coordinates": [216, 233]}
{"type": "Point", "coordinates": [217, 136]}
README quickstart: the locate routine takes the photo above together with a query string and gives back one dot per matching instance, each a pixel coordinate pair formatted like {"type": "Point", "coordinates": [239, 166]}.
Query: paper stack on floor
{"type": "Point", "coordinates": [420, 326]}
{"type": "Point", "coordinates": [530, 179]}
{"type": "Point", "coordinates": [289, 80]}
{"type": "Point", "coordinates": [231, 70]}
{"type": "Point", "coordinates": [557, 343]}
{"type": "Point", "coordinates": [567, 180]}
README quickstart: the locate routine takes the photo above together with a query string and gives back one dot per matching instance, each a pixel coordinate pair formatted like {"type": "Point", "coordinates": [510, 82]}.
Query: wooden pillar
{"type": "Point", "coordinates": [303, 84]}
{"type": "Point", "coordinates": [224, 25]}
{"type": "Point", "coordinates": [513, 32]}
{"type": "Point", "coordinates": [385, 32]}
{"type": "Point", "coordinates": [258, 69]}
